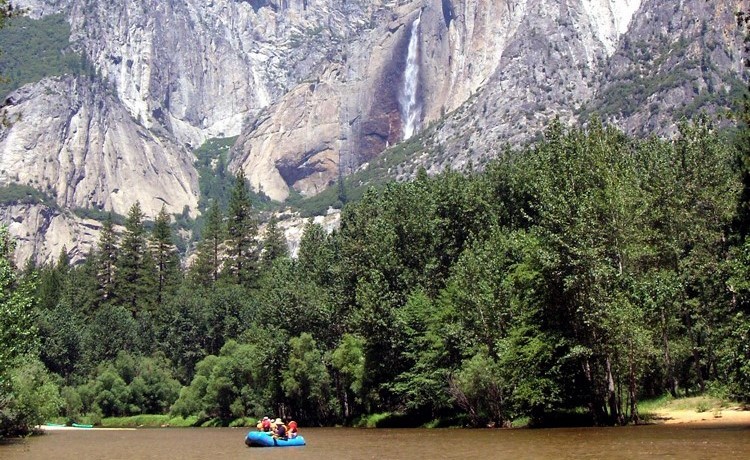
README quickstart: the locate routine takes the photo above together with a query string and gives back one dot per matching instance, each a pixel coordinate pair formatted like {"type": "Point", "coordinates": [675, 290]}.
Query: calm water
{"type": "Point", "coordinates": [679, 442]}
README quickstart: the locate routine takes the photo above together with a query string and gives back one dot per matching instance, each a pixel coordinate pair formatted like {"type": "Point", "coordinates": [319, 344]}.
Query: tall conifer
{"type": "Point", "coordinates": [207, 266]}
{"type": "Point", "coordinates": [242, 229]}
{"type": "Point", "coordinates": [274, 244]}
{"type": "Point", "coordinates": [165, 255]}
{"type": "Point", "coordinates": [136, 277]}
{"type": "Point", "coordinates": [106, 261]}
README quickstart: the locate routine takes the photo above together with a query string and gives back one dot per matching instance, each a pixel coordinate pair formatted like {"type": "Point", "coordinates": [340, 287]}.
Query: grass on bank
{"type": "Point", "coordinates": [145, 420]}
{"type": "Point", "coordinates": [163, 421]}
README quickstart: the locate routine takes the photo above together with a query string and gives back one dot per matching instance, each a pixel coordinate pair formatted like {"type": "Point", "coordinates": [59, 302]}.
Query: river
{"type": "Point", "coordinates": [662, 441]}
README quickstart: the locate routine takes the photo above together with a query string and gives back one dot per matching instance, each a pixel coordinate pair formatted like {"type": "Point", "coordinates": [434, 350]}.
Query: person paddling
{"type": "Point", "coordinates": [280, 432]}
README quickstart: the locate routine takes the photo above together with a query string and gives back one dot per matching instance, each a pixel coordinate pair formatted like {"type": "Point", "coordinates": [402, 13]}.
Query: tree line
{"type": "Point", "coordinates": [578, 275]}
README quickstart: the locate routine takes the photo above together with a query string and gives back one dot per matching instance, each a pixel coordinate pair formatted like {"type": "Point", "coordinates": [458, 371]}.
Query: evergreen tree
{"type": "Point", "coordinates": [51, 284]}
{"type": "Point", "coordinates": [63, 260]}
{"type": "Point", "coordinates": [165, 257]}
{"type": "Point", "coordinates": [274, 244]}
{"type": "Point", "coordinates": [136, 272]}
{"type": "Point", "coordinates": [207, 266]}
{"type": "Point", "coordinates": [242, 228]}
{"type": "Point", "coordinates": [106, 262]}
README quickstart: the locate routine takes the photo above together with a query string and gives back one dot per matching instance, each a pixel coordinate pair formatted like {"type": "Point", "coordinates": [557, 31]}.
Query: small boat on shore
{"type": "Point", "coordinates": [72, 425]}
{"type": "Point", "coordinates": [265, 439]}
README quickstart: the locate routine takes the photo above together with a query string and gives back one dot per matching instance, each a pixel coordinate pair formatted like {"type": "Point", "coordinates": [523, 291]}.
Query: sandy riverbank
{"type": "Point", "coordinates": [729, 415]}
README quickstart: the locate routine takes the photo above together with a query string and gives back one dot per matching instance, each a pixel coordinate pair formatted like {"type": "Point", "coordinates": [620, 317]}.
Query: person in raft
{"type": "Point", "coordinates": [280, 432]}
{"type": "Point", "coordinates": [292, 429]}
{"type": "Point", "coordinates": [264, 425]}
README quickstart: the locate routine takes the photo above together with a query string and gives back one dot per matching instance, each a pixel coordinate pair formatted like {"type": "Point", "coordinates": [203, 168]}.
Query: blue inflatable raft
{"type": "Point", "coordinates": [263, 439]}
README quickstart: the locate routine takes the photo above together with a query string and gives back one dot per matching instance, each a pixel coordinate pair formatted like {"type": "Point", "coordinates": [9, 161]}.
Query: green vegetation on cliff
{"type": "Point", "coordinates": [33, 49]}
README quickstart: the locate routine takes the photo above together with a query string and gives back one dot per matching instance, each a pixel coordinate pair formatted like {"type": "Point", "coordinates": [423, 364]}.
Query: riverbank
{"type": "Point", "coordinates": [731, 415]}
{"type": "Point", "coordinates": [695, 410]}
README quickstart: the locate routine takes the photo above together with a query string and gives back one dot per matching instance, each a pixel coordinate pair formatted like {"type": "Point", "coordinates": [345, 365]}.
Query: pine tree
{"type": "Point", "coordinates": [242, 229]}
{"type": "Point", "coordinates": [165, 257]}
{"type": "Point", "coordinates": [136, 273]}
{"type": "Point", "coordinates": [106, 261]}
{"type": "Point", "coordinates": [206, 269]}
{"type": "Point", "coordinates": [274, 244]}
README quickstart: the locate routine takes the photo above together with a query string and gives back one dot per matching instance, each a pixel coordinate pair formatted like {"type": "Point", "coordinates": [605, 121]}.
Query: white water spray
{"type": "Point", "coordinates": [411, 110]}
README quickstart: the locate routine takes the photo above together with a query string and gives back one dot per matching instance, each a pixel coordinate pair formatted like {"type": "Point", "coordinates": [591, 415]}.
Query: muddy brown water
{"type": "Point", "coordinates": [657, 441]}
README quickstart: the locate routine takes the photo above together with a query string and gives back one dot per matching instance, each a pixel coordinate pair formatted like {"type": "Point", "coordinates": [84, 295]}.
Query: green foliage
{"type": "Point", "coordinates": [35, 399]}
{"type": "Point", "coordinates": [148, 421]}
{"type": "Point", "coordinates": [110, 329]}
{"type": "Point", "coordinates": [61, 336]}
{"type": "Point", "coordinates": [37, 48]}
{"type": "Point", "coordinates": [14, 194]}
{"type": "Point", "coordinates": [353, 187]}
{"type": "Point", "coordinates": [99, 215]}
{"type": "Point", "coordinates": [17, 332]}
{"type": "Point", "coordinates": [231, 385]}
{"type": "Point", "coordinates": [217, 183]}
{"type": "Point", "coordinates": [274, 244]}
{"type": "Point", "coordinates": [165, 258]}
{"type": "Point", "coordinates": [349, 361]}
{"type": "Point", "coordinates": [215, 180]}
{"type": "Point", "coordinates": [305, 380]}
{"type": "Point", "coordinates": [137, 281]}
{"type": "Point", "coordinates": [572, 279]}
{"type": "Point", "coordinates": [18, 336]}
{"type": "Point", "coordinates": [241, 230]}
{"type": "Point", "coordinates": [208, 264]}
{"type": "Point", "coordinates": [127, 385]}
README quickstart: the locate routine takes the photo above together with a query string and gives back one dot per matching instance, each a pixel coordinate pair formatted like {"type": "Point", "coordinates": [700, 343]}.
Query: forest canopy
{"type": "Point", "coordinates": [584, 273]}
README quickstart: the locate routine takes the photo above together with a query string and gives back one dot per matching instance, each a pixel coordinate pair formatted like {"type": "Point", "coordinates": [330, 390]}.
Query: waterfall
{"type": "Point", "coordinates": [411, 110]}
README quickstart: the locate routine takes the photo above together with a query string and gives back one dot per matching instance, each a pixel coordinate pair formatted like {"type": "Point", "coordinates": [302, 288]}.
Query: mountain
{"type": "Point", "coordinates": [318, 89]}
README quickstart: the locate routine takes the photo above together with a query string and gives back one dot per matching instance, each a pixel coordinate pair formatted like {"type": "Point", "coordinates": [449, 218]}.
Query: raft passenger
{"type": "Point", "coordinates": [292, 429]}
{"type": "Point", "coordinates": [265, 424]}
{"type": "Point", "coordinates": [280, 432]}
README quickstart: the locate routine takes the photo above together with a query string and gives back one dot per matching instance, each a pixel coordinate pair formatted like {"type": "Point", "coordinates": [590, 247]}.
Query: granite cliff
{"type": "Point", "coordinates": [315, 89]}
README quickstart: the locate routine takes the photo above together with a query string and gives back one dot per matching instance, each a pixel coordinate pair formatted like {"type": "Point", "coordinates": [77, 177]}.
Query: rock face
{"type": "Point", "coordinates": [523, 54]}
{"type": "Point", "coordinates": [339, 120]}
{"type": "Point", "coordinates": [639, 65]}
{"type": "Point", "coordinates": [197, 68]}
{"type": "Point", "coordinates": [315, 88]}
{"type": "Point", "coordinates": [70, 139]}
{"type": "Point", "coordinates": [686, 59]}
{"type": "Point", "coordinates": [41, 233]}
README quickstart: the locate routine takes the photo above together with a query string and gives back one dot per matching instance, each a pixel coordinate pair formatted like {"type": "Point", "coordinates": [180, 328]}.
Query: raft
{"type": "Point", "coordinates": [264, 439]}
